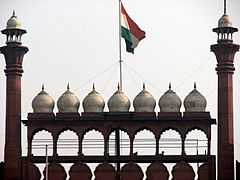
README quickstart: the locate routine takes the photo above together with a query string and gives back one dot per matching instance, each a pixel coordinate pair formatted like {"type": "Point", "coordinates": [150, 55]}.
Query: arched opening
{"type": "Point", "coordinates": [196, 143]}
{"type": "Point", "coordinates": [67, 167]}
{"type": "Point", "coordinates": [169, 167]}
{"type": "Point", "coordinates": [196, 167]}
{"type": "Point", "coordinates": [144, 143]}
{"type": "Point", "coordinates": [42, 143]}
{"type": "Point", "coordinates": [170, 143]}
{"type": "Point", "coordinates": [41, 168]}
{"type": "Point", "coordinates": [67, 144]}
{"type": "Point", "coordinates": [93, 167]}
{"type": "Point", "coordinates": [93, 143]}
{"type": "Point", "coordinates": [124, 143]}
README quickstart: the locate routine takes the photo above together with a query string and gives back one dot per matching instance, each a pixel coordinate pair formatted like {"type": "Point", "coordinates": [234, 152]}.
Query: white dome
{"type": "Point", "coordinates": [195, 101]}
{"type": "Point", "coordinates": [68, 102]}
{"type": "Point", "coordinates": [144, 101]}
{"type": "Point", "coordinates": [119, 102]}
{"type": "Point", "coordinates": [13, 22]}
{"type": "Point", "coordinates": [93, 102]}
{"type": "Point", "coordinates": [43, 103]}
{"type": "Point", "coordinates": [169, 101]}
{"type": "Point", "coordinates": [224, 21]}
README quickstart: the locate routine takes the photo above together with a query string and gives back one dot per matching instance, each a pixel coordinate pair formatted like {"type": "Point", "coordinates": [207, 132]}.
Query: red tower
{"type": "Point", "coordinates": [13, 53]}
{"type": "Point", "coordinates": [225, 50]}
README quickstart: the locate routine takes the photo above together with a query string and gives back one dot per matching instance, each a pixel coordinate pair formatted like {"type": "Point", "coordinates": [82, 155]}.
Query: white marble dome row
{"type": "Point", "coordinates": [119, 102]}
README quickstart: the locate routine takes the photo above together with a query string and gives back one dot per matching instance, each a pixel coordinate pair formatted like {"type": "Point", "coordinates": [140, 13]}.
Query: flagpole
{"type": "Point", "coordinates": [120, 45]}
{"type": "Point", "coordinates": [117, 132]}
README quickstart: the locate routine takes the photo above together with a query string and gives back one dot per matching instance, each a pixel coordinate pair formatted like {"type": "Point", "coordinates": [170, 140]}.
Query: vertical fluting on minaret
{"type": "Point", "coordinates": [13, 53]}
{"type": "Point", "coordinates": [225, 51]}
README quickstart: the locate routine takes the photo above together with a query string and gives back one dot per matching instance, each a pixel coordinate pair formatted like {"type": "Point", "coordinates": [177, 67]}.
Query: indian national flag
{"type": "Point", "coordinates": [130, 31]}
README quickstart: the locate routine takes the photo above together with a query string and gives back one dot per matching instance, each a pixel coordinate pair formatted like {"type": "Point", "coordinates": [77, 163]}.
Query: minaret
{"type": "Point", "coordinates": [13, 53]}
{"type": "Point", "coordinates": [225, 51]}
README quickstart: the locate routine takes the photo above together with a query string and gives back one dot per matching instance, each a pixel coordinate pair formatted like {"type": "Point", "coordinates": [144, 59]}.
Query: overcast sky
{"type": "Point", "coordinates": [76, 41]}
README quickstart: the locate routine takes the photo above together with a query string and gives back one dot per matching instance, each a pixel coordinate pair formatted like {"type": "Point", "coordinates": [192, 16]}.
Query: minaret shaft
{"type": "Point", "coordinates": [12, 155]}
{"type": "Point", "coordinates": [225, 57]}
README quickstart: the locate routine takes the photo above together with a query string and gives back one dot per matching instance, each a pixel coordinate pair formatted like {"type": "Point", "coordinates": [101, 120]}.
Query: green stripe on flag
{"type": "Point", "coordinates": [126, 34]}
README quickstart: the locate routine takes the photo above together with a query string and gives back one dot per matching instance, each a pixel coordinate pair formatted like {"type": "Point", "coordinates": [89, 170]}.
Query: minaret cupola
{"type": "Point", "coordinates": [14, 30]}
{"type": "Point", "coordinates": [225, 29]}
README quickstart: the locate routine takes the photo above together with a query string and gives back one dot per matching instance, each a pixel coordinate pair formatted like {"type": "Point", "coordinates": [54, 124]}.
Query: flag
{"type": "Point", "coordinates": [130, 31]}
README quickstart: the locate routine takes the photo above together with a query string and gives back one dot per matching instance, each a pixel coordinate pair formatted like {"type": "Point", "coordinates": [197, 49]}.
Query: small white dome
{"type": "Point", "coordinates": [224, 21]}
{"type": "Point", "coordinates": [195, 101]}
{"type": "Point", "coordinates": [68, 102]}
{"type": "Point", "coordinates": [43, 103]}
{"type": "Point", "coordinates": [119, 102]}
{"type": "Point", "coordinates": [169, 101]}
{"type": "Point", "coordinates": [13, 22]}
{"type": "Point", "coordinates": [93, 102]}
{"type": "Point", "coordinates": [144, 101]}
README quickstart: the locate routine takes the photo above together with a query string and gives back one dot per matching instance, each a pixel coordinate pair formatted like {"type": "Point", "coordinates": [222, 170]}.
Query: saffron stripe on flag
{"type": "Point", "coordinates": [130, 31]}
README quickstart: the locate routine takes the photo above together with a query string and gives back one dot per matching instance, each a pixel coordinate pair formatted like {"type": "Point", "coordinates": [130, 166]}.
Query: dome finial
{"type": "Point", "coordinates": [68, 86]}
{"type": "Point", "coordinates": [118, 86]}
{"type": "Point", "coordinates": [195, 85]}
{"type": "Point", "coordinates": [144, 87]}
{"type": "Point", "coordinates": [14, 14]}
{"type": "Point", "coordinates": [42, 86]}
{"type": "Point", "coordinates": [93, 87]}
{"type": "Point", "coordinates": [170, 86]}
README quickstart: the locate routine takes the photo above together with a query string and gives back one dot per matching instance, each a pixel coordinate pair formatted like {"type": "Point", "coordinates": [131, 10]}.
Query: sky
{"type": "Point", "coordinates": [76, 41]}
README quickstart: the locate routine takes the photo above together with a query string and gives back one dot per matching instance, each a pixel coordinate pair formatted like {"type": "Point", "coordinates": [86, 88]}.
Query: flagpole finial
{"type": "Point", "coordinates": [225, 7]}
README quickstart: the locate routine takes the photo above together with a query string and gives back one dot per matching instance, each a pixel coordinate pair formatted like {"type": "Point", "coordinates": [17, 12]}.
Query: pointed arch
{"type": "Point", "coordinates": [67, 143]}
{"type": "Point", "coordinates": [170, 142]}
{"type": "Point", "coordinates": [124, 142]}
{"type": "Point", "coordinates": [40, 139]}
{"type": "Point", "coordinates": [196, 142]}
{"type": "Point", "coordinates": [144, 142]}
{"type": "Point", "coordinates": [93, 142]}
